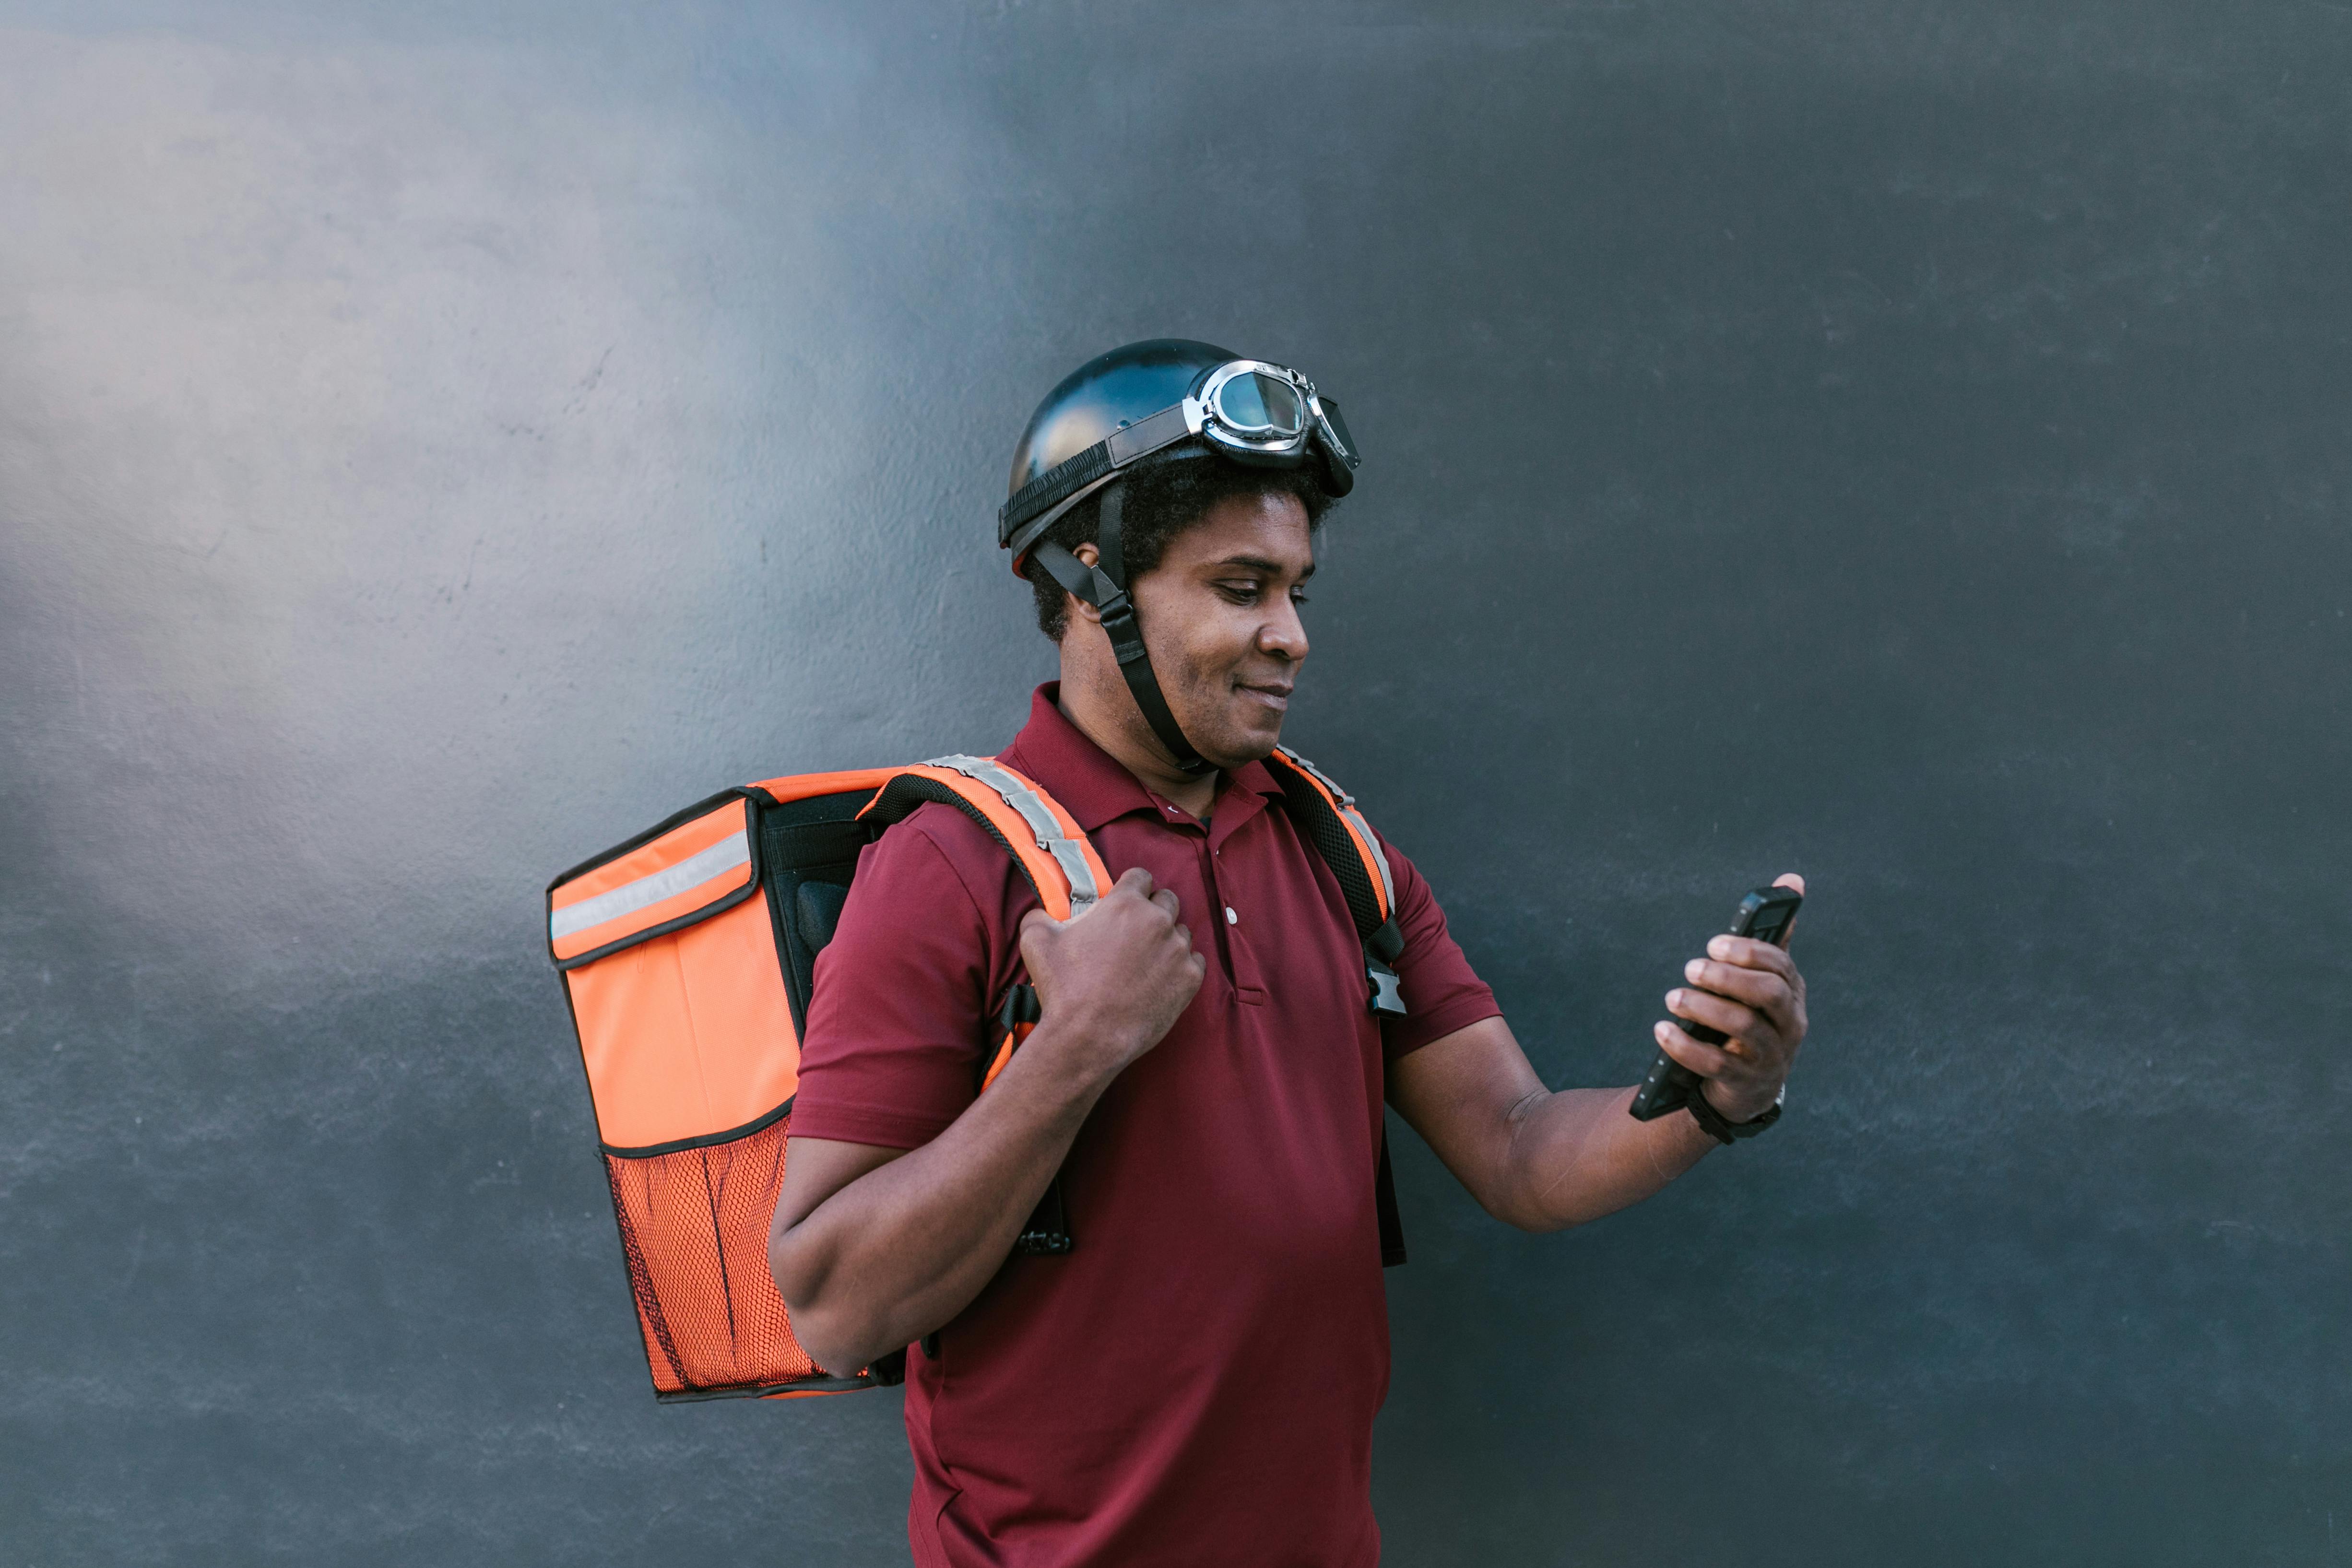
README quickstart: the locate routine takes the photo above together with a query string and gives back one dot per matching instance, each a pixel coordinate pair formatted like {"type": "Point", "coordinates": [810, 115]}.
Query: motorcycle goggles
{"type": "Point", "coordinates": [1252, 412]}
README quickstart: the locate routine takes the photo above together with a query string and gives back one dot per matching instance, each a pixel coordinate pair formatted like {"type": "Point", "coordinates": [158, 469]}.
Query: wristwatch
{"type": "Point", "coordinates": [1710, 1120]}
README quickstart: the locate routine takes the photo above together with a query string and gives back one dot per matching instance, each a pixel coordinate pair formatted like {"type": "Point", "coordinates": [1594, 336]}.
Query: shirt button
{"type": "Point", "coordinates": [1231, 918]}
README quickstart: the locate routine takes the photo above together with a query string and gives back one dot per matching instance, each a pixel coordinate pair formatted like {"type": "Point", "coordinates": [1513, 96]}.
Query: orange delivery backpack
{"type": "Point", "coordinates": [687, 953]}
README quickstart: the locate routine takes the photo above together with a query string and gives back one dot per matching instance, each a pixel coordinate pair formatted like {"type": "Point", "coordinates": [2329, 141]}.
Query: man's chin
{"type": "Point", "coordinates": [1238, 745]}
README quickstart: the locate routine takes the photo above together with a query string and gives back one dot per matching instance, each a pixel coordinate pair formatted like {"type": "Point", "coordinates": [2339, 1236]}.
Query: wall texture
{"type": "Point", "coordinates": [1904, 443]}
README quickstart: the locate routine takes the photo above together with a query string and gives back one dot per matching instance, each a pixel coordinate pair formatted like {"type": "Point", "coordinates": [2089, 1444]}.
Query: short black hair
{"type": "Point", "coordinates": [1163, 499]}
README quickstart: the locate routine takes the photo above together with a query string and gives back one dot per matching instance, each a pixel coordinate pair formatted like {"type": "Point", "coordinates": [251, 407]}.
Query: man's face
{"type": "Point", "coordinates": [1220, 615]}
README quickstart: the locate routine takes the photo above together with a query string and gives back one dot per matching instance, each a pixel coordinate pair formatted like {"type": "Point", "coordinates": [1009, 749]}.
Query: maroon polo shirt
{"type": "Point", "coordinates": [1195, 1381]}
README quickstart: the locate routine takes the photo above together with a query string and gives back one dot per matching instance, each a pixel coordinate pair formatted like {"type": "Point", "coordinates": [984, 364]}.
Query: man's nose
{"type": "Point", "coordinates": [1284, 635]}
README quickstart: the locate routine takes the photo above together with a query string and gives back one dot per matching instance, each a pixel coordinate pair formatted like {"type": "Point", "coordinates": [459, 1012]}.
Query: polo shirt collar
{"type": "Point", "coordinates": [1095, 788]}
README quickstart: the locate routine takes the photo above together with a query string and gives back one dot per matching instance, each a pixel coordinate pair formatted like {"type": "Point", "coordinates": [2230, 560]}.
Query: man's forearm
{"type": "Point", "coordinates": [905, 1246]}
{"type": "Point", "coordinates": [1543, 1161]}
{"type": "Point", "coordinates": [1575, 1155]}
{"type": "Point", "coordinates": [1539, 1160]}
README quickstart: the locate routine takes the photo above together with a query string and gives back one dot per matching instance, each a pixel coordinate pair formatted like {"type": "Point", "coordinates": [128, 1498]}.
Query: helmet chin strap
{"type": "Point", "coordinates": [1103, 586]}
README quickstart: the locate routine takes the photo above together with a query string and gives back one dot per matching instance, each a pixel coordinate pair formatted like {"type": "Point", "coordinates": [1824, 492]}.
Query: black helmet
{"type": "Point", "coordinates": [1165, 397]}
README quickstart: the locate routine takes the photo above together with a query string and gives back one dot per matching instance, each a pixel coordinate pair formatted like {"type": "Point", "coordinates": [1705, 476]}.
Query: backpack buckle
{"type": "Point", "coordinates": [1388, 996]}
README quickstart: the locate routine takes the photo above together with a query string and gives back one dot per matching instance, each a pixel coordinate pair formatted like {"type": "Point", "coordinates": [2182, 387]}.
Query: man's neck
{"type": "Point", "coordinates": [1113, 726]}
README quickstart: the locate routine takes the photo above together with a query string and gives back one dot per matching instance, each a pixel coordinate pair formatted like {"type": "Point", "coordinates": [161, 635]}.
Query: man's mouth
{"type": "Point", "coordinates": [1275, 694]}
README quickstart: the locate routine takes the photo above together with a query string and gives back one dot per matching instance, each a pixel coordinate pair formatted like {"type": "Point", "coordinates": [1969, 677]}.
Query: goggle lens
{"type": "Point", "coordinates": [1255, 403]}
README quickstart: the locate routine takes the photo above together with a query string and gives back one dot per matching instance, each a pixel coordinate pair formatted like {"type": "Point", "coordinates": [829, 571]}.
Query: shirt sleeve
{"type": "Point", "coordinates": [892, 1046]}
{"type": "Point", "coordinates": [1441, 991]}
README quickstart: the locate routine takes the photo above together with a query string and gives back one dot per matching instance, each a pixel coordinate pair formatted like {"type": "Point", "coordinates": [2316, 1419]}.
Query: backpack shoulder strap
{"type": "Point", "coordinates": [1054, 853]}
{"type": "Point", "coordinates": [1326, 814]}
{"type": "Point", "coordinates": [1042, 839]}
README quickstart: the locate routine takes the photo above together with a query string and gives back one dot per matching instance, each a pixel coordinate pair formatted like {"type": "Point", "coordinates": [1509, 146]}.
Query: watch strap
{"type": "Point", "coordinates": [1710, 1120]}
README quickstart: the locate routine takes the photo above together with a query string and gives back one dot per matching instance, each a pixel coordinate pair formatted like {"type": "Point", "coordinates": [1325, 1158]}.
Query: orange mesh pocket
{"type": "Point", "coordinates": [693, 1228]}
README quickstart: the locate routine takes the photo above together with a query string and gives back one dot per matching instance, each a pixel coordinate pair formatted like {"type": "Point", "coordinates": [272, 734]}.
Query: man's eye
{"type": "Point", "coordinates": [1241, 591]}
{"type": "Point", "coordinates": [1298, 596]}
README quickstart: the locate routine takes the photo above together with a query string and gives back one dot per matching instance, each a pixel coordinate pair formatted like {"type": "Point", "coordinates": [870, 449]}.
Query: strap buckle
{"type": "Point", "coordinates": [1388, 996]}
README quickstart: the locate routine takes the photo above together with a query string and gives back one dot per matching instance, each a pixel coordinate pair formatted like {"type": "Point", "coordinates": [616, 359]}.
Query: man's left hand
{"type": "Point", "coordinates": [1752, 992]}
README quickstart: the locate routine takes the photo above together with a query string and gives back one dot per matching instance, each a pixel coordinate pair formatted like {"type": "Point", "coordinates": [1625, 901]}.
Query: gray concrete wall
{"type": "Point", "coordinates": [1902, 443]}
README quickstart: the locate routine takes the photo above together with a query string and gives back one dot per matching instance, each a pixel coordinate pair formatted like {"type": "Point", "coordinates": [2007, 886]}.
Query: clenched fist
{"type": "Point", "coordinates": [1110, 982]}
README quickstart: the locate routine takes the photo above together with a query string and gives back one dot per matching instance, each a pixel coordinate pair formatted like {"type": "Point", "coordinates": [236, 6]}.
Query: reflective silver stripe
{"type": "Point", "coordinates": [1346, 804]}
{"type": "Point", "coordinates": [650, 890]}
{"type": "Point", "coordinates": [1067, 852]}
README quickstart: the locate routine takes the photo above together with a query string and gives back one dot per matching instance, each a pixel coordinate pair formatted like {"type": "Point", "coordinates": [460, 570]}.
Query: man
{"type": "Point", "coordinates": [1195, 1381]}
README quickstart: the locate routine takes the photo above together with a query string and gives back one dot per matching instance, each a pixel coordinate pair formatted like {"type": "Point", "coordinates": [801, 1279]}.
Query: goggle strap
{"type": "Point", "coordinates": [1069, 480]}
{"type": "Point", "coordinates": [1146, 436]}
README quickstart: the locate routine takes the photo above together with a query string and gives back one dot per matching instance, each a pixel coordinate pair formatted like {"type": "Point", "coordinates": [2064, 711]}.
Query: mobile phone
{"type": "Point", "coordinates": [1765, 915]}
